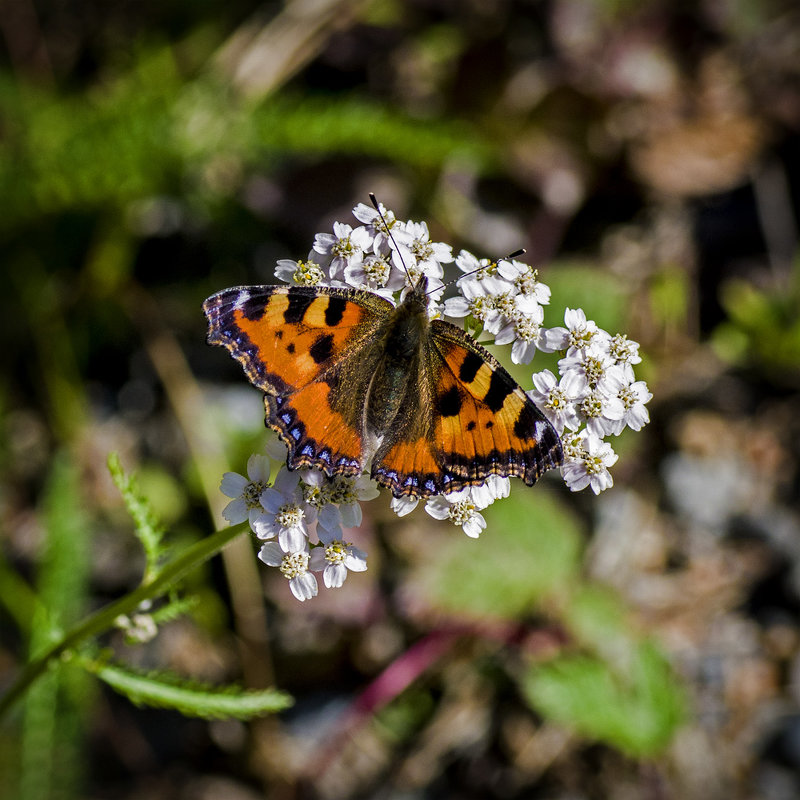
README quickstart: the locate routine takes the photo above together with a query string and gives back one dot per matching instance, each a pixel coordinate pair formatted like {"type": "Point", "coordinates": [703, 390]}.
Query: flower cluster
{"type": "Point", "coordinates": [595, 396]}
{"type": "Point", "coordinates": [284, 514]}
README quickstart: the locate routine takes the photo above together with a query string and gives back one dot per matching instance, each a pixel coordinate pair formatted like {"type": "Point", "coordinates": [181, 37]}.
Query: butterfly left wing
{"type": "Point", "coordinates": [479, 422]}
{"type": "Point", "coordinates": [308, 349]}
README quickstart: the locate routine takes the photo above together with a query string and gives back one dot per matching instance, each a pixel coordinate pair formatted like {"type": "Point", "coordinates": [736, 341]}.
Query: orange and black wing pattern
{"type": "Point", "coordinates": [479, 422]}
{"type": "Point", "coordinates": [305, 348]}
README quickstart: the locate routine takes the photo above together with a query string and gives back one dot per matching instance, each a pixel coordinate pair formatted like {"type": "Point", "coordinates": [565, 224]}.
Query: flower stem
{"type": "Point", "coordinates": [103, 619]}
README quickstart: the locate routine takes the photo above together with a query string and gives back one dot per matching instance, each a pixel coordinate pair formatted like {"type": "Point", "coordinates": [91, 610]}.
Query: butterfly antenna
{"type": "Point", "coordinates": [375, 203]}
{"type": "Point", "coordinates": [516, 253]}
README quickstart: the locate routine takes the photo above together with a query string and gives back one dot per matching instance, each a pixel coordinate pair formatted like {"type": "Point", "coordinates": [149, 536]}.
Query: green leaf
{"type": "Point", "coordinates": [581, 285]}
{"type": "Point", "coordinates": [529, 550]}
{"type": "Point", "coordinates": [163, 690]}
{"type": "Point", "coordinates": [51, 759]}
{"type": "Point", "coordinates": [148, 529]}
{"type": "Point", "coordinates": [598, 620]}
{"type": "Point", "coordinates": [174, 608]}
{"type": "Point", "coordinates": [637, 710]}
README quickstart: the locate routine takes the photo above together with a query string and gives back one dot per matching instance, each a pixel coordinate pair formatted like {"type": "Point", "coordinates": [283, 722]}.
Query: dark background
{"type": "Point", "coordinates": [646, 155]}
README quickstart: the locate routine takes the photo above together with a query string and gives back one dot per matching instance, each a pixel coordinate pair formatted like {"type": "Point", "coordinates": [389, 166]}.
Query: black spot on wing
{"type": "Point", "coordinates": [449, 402]}
{"type": "Point", "coordinates": [335, 310]}
{"type": "Point", "coordinates": [469, 367]}
{"type": "Point", "coordinates": [254, 306]}
{"type": "Point", "coordinates": [499, 388]}
{"type": "Point", "coordinates": [298, 305]}
{"type": "Point", "coordinates": [525, 425]}
{"type": "Point", "coordinates": [322, 349]}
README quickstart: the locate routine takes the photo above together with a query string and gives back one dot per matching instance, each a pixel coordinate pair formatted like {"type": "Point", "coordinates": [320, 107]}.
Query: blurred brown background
{"type": "Point", "coordinates": [646, 154]}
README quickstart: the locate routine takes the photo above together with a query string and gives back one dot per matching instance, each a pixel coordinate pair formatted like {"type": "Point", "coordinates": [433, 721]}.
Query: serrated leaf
{"type": "Point", "coordinates": [148, 528]}
{"type": "Point", "coordinates": [193, 699]}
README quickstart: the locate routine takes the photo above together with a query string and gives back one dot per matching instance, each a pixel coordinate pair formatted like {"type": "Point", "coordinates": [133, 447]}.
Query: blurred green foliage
{"type": "Point", "coordinates": [612, 684]}
{"type": "Point", "coordinates": [128, 189]}
{"type": "Point", "coordinates": [763, 326]}
{"type": "Point", "coordinates": [52, 759]}
{"type": "Point", "coordinates": [531, 555]}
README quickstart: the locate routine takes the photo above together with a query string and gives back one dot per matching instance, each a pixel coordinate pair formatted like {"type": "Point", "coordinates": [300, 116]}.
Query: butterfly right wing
{"type": "Point", "coordinates": [310, 350]}
{"type": "Point", "coordinates": [473, 420]}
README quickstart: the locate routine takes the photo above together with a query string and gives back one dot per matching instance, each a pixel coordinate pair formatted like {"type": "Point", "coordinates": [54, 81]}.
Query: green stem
{"type": "Point", "coordinates": [104, 618]}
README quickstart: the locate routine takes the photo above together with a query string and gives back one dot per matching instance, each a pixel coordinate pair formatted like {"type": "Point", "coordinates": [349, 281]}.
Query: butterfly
{"type": "Point", "coordinates": [351, 381]}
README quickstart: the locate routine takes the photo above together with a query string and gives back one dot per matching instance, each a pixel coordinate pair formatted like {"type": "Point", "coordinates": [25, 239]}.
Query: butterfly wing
{"type": "Point", "coordinates": [479, 422]}
{"type": "Point", "coordinates": [309, 349]}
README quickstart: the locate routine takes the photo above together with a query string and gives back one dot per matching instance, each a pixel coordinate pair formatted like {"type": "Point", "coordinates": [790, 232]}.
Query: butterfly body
{"type": "Point", "coordinates": [350, 379]}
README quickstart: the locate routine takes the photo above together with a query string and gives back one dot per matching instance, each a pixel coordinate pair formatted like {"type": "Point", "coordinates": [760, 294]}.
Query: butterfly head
{"type": "Point", "coordinates": [416, 297]}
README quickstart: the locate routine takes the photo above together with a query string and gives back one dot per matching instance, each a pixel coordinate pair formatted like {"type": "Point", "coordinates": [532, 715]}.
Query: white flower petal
{"type": "Point", "coordinates": [233, 484]}
{"type": "Point", "coordinates": [317, 560]}
{"type": "Point", "coordinates": [272, 500]}
{"type": "Point", "coordinates": [474, 526]}
{"type": "Point", "coordinates": [276, 450]}
{"type": "Point", "coordinates": [304, 587]}
{"type": "Point", "coordinates": [236, 511]}
{"type": "Point", "coordinates": [403, 505]}
{"type": "Point", "coordinates": [271, 554]}
{"type": "Point", "coordinates": [438, 507]}
{"type": "Point", "coordinates": [351, 515]}
{"type": "Point", "coordinates": [292, 540]}
{"type": "Point", "coordinates": [355, 560]}
{"type": "Point", "coordinates": [329, 522]}
{"type": "Point", "coordinates": [334, 575]}
{"type": "Point", "coordinates": [262, 524]}
{"type": "Point", "coordinates": [258, 468]}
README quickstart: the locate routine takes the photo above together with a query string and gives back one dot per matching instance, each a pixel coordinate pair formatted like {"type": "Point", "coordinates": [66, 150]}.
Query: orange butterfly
{"type": "Point", "coordinates": [351, 382]}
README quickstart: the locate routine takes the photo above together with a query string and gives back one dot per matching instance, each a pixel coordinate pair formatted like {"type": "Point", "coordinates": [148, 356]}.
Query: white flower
{"type": "Point", "coordinates": [632, 395]}
{"type": "Point", "coordinates": [512, 304]}
{"type": "Point", "coordinates": [343, 247]}
{"type": "Point", "coordinates": [558, 398]}
{"type": "Point", "coordinates": [337, 499]}
{"type": "Point", "coordinates": [376, 273]}
{"type": "Point", "coordinates": [377, 228]}
{"type": "Point", "coordinates": [591, 467]}
{"type": "Point", "coordinates": [302, 273]}
{"type": "Point", "coordinates": [578, 333]}
{"type": "Point", "coordinates": [347, 492]}
{"type": "Point", "coordinates": [294, 566]}
{"type": "Point", "coordinates": [287, 516]}
{"type": "Point", "coordinates": [525, 333]}
{"type": "Point", "coordinates": [138, 628]}
{"type": "Point", "coordinates": [601, 411]}
{"type": "Point", "coordinates": [529, 285]}
{"type": "Point", "coordinates": [624, 350]}
{"type": "Point", "coordinates": [335, 557]}
{"type": "Point", "coordinates": [246, 494]}
{"type": "Point", "coordinates": [428, 256]}
{"type": "Point", "coordinates": [591, 363]}
{"type": "Point", "coordinates": [473, 301]}
{"type": "Point", "coordinates": [461, 509]}
{"type": "Point", "coordinates": [484, 276]}
{"type": "Point", "coordinates": [414, 272]}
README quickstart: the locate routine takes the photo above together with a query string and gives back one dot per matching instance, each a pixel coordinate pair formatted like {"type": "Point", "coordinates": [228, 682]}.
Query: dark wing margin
{"type": "Point", "coordinates": [296, 344]}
